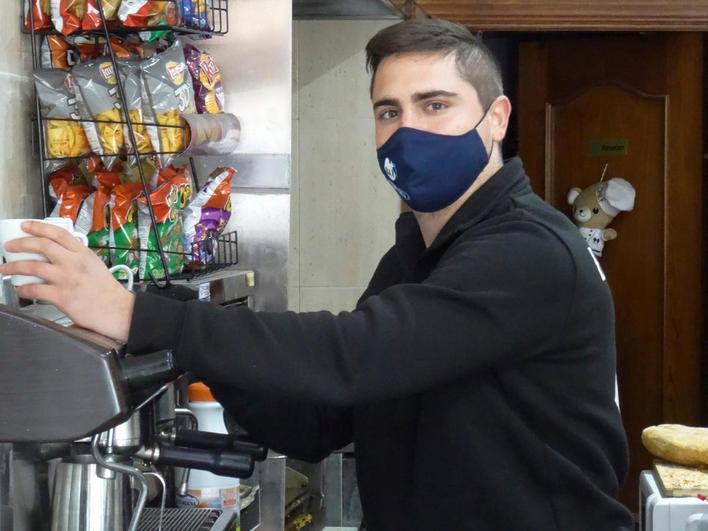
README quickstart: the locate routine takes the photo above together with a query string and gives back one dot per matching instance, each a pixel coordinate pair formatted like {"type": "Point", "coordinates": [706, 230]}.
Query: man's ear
{"type": "Point", "coordinates": [499, 114]}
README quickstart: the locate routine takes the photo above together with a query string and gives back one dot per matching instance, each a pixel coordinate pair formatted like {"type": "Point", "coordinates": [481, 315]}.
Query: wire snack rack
{"type": "Point", "coordinates": [208, 18]}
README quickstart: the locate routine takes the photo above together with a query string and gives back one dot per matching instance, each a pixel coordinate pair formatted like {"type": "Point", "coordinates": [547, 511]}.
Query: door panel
{"type": "Point", "coordinates": [641, 92]}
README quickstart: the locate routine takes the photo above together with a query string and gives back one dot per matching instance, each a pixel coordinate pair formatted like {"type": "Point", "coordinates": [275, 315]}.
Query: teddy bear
{"type": "Point", "coordinates": [596, 206]}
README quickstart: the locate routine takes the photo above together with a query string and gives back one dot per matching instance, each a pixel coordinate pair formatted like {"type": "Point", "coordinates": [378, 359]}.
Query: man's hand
{"type": "Point", "coordinates": [78, 283]}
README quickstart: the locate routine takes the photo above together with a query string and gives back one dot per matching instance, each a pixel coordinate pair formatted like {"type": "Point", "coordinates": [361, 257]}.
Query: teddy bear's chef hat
{"type": "Point", "coordinates": [616, 195]}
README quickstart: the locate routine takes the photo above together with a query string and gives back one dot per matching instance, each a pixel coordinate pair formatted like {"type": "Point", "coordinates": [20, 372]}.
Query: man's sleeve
{"type": "Point", "coordinates": [303, 431]}
{"type": "Point", "coordinates": [490, 301]}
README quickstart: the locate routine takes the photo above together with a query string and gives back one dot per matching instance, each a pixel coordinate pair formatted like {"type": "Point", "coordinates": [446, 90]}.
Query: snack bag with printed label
{"type": "Point", "coordinates": [68, 188]}
{"type": "Point", "coordinates": [129, 47]}
{"type": "Point", "coordinates": [206, 77]}
{"type": "Point", "coordinates": [133, 89]}
{"type": "Point", "coordinates": [67, 15]}
{"type": "Point", "coordinates": [42, 13]}
{"type": "Point", "coordinates": [94, 220]}
{"type": "Point", "coordinates": [194, 14]}
{"type": "Point", "coordinates": [57, 52]}
{"type": "Point", "coordinates": [149, 165]}
{"type": "Point", "coordinates": [70, 202]}
{"type": "Point", "coordinates": [123, 236]}
{"type": "Point", "coordinates": [64, 135]}
{"type": "Point", "coordinates": [167, 201]}
{"type": "Point", "coordinates": [88, 46]}
{"type": "Point", "coordinates": [207, 215]}
{"type": "Point", "coordinates": [168, 95]}
{"type": "Point", "coordinates": [99, 101]}
{"type": "Point", "coordinates": [92, 18]}
{"type": "Point", "coordinates": [148, 13]}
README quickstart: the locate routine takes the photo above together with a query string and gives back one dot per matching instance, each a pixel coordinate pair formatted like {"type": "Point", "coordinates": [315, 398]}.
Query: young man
{"type": "Point", "coordinates": [476, 374]}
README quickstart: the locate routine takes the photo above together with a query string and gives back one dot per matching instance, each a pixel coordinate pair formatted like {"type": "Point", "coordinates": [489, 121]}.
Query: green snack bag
{"type": "Point", "coordinates": [124, 238]}
{"type": "Point", "coordinates": [167, 201]}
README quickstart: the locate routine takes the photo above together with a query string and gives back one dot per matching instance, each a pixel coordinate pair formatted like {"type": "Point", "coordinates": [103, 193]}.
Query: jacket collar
{"type": "Point", "coordinates": [510, 180]}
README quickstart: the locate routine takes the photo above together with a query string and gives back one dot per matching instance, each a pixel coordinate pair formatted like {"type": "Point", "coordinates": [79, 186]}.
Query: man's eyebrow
{"type": "Point", "coordinates": [420, 96]}
{"type": "Point", "coordinates": [386, 102]}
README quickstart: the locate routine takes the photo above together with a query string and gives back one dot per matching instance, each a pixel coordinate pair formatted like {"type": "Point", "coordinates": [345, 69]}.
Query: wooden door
{"type": "Point", "coordinates": [633, 102]}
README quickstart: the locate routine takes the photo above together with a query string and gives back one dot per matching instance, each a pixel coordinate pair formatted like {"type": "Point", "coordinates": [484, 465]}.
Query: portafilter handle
{"type": "Point", "coordinates": [218, 441]}
{"type": "Point", "coordinates": [222, 463]}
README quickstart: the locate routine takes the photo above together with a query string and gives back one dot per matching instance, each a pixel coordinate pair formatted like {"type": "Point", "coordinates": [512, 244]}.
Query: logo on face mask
{"type": "Point", "coordinates": [390, 169]}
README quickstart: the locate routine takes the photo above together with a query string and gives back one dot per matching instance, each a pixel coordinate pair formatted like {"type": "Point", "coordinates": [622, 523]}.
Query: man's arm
{"type": "Point", "coordinates": [299, 430]}
{"type": "Point", "coordinates": [491, 301]}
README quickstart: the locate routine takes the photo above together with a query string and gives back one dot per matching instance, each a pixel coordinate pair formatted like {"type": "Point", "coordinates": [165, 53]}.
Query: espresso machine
{"type": "Point", "coordinates": [90, 435]}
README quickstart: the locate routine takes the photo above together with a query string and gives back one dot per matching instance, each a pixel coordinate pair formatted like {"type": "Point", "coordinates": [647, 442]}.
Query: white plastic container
{"type": "Point", "coordinates": [207, 489]}
{"type": "Point", "coordinates": [697, 522]}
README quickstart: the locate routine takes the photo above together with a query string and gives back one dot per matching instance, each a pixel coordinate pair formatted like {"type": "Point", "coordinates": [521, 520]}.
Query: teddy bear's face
{"type": "Point", "coordinates": [587, 212]}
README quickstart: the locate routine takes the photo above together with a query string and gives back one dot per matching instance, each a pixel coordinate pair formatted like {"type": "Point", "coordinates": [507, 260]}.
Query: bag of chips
{"type": "Point", "coordinates": [167, 203]}
{"type": "Point", "coordinates": [128, 48]}
{"type": "Point", "coordinates": [99, 101]}
{"type": "Point", "coordinates": [88, 46]}
{"type": "Point", "coordinates": [42, 13]}
{"type": "Point", "coordinates": [94, 220]}
{"type": "Point", "coordinates": [123, 236]}
{"type": "Point", "coordinates": [67, 15]}
{"type": "Point", "coordinates": [168, 95]}
{"type": "Point", "coordinates": [64, 136]}
{"type": "Point", "coordinates": [147, 13]}
{"type": "Point", "coordinates": [133, 90]}
{"type": "Point", "coordinates": [68, 188]}
{"type": "Point", "coordinates": [149, 166]}
{"type": "Point", "coordinates": [107, 180]}
{"type": "Point", "coordinates": [92, 18]}
{"type": "Point", "coordinates": [56, 52]}
{"type": "Point", "coordinates": [206, 79]}
{"type": "Point", "coordinates": [207, 215]}
{"type": "Point", "coordinates": [194, 14]}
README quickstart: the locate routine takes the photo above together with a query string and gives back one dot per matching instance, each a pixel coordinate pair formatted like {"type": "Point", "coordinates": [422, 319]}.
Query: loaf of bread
{"type": "Point", "coordinates": [678, 444]}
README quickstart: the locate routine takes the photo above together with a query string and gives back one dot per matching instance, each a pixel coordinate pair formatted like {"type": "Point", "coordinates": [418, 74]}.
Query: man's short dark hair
{"type": "Point", "coordinates": [475, 62]}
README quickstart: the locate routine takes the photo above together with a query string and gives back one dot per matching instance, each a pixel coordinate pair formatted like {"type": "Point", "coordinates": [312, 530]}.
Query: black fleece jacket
{"type": "Point", "coordinates": [476, 377]}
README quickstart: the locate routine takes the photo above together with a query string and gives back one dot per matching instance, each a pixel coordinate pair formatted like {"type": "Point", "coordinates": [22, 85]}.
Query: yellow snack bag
{"type": "Point", "coordinates": [169, 96]}
{"type": "Point", "coordinates": [99, 102]}
{"type": "Point", "coordinates": [64, 134]}
{"type": "Point", "coordinates": [133, 88]}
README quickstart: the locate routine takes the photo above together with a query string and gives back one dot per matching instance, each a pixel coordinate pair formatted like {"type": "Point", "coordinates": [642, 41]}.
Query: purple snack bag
{"type": "Point", "coordinates": [206, 79]}
{"type": "Point", "coordinates": [207, 214]}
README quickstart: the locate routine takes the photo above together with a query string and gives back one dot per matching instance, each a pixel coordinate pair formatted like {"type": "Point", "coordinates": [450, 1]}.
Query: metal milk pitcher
{"type": "Point", "coordinates": [84, 501]}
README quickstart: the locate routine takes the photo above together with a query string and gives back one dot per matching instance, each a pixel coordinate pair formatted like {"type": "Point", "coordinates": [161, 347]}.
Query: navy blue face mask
{"type": "Point", "coordinates": [431, 171]}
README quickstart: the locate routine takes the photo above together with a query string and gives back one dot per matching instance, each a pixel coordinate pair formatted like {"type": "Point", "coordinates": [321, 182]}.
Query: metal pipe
{"type": "Point", "coordinates": [124, 469]}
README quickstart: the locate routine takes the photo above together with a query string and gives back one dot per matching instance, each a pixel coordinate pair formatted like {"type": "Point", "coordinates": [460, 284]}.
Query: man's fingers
{"type": "Point", "coordinates": [51, 232]}
{"type": "Point", "coordinates": [42, 292]}
{"type": "Point", "coordinates": [44, 246]}
{"type": "Point", "coordinates": [33, 268]}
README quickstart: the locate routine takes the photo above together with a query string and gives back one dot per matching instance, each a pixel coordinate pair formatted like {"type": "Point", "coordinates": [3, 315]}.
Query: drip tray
{"type": "Point", "coordinates": [186, 519]}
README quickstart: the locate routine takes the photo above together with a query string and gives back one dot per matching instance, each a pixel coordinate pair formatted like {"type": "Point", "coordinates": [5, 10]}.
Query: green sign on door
{"type": "Point", "coordinates": [604, 147]}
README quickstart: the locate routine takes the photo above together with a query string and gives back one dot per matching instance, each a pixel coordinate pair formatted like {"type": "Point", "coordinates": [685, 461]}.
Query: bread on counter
{"type": "Point", "coordinates": [678, 444]}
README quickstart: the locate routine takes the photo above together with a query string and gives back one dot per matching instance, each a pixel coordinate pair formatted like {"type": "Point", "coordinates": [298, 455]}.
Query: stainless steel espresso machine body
{"type": "Point", "coordinates": [95, 433]}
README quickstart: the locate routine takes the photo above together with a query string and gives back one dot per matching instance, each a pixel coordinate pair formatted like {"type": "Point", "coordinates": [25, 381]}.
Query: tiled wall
{"type": "Point", "coordinates": [343, 211]}
{"type": "Point", "coordinates": [20, 182]}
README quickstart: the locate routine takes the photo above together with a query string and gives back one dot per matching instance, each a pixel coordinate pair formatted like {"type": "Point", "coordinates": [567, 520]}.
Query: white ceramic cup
{"type": "Point", "coordinates": [10, 229]}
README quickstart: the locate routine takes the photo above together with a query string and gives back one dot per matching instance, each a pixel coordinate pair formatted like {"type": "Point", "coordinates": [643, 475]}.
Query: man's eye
{"type": "Point", "coordinates": [436, 106]}
{"type": "Point", "coordinates": [387, 115]}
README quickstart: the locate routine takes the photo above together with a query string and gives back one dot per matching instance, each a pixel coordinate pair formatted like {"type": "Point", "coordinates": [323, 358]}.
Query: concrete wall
{"type": "Point", "coordinates": [20, 181]}
{"type": "Point", "coordinates": [343, 211]}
